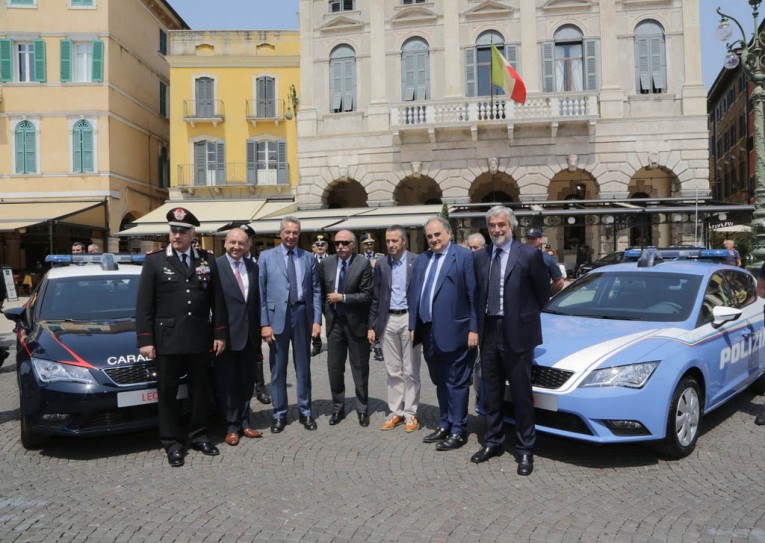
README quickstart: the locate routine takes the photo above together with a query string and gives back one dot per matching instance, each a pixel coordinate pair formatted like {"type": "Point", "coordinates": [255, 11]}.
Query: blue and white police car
{"type": "Point", "coordinates": [77, 362]}
{"type": "Point", "coordinates": [640, 351]}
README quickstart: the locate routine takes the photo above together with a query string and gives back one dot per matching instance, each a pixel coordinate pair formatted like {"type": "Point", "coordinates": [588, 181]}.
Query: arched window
{"type": "Point", "coordinates": [82, 147]}
{"type": "Point", "coordinates": [569, 62]}
{"type": "Point", "coordinates": [26, 148]}
{"type": "Point", "coordinates": [650, 58]}
{"type": "Point", "coordinates": [478, 63]}
{"type": "Point", "coordinates": [415, 70]}
{"type": "Point", "coordinates": [342, 79]}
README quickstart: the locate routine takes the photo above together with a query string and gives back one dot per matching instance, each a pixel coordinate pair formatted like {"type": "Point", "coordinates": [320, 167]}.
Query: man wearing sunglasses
{"type": "Point", "coordinates": [346, 285]}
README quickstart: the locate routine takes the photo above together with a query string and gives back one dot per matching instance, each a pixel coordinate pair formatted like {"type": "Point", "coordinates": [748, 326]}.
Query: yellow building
{"type": "Point", "coordinates": [84, 132]}
{"type": "Point", "coordinates": [232, 127]}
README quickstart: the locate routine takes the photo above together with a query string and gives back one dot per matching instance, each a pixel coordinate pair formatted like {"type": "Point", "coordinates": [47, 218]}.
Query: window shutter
{"type": "Point", "coordinates": [252, 176]}
{"type": "Point", "coordinates": [162, 99]}
{"type": "Point", "coordinates": [470, 64]}
{"type": "Point", "coordinates": [590, 65]}
{"type": "Point", "coordinates": [270, 84]}
{"type": "Point", "coordinates": [77, 166]}
{"type": "Point", "coordinates": [659, 63]}
{"type": "Point", "coordinates": [19, 149]}
{"type": "Point", "coordinates": [87, 149]}
{"type": "Point", "coordinates": [98, 61]}
{"type": "Point", "coordinates": [162, 42]}
{"type": "Point", "coordinates": [422, 71]}
{"type": "Point", "coordinates": [40, 72]}
{"type": "Point", "coordinates": [66, 61]}
{"type": "Point", "coordinates": [336, 84]}
{"type": "Point", "coordinates": [548, 66]}
{"type": "Point", "coordinates": [220, 158]}
{"type": "Point", "coordinates": [408, 75]}
{"type": "Point", "coordinates": [200, 169]}
{"type": "Point", "coordinates": [204, 97]}
{"type": "Point", "coordinates": [30, 150]}
{"type": "Point", "coordinates": [281, 162]}
{"type": "Point", "coordinates": [6, 60]}
{"type": "Point", "coordinates": [260, 92]}
{"type": "Point", "coordinates": [642, 75]}
{"type": "Point", "coordinates": [349, 81]}
{"type": "Point", "coordinates": [511, 56]}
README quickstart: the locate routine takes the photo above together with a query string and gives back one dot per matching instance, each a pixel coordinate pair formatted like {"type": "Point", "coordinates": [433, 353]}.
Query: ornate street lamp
{"type": "Point", "coordinates": [748, 53]}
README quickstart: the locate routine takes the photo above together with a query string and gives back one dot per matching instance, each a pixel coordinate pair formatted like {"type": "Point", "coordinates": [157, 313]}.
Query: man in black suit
{"type": "Point", "coordinates": [235, 369]}
{"type": "Point", "coordinates": [512, 287]}
{"type": "Point", "coordinates": [346, 285]}
{"type": "Point", "coordinates": [389, 325]}
{"type": "Point", "coordinates": [179, 287]}
{"type": "Point", "coordinates": [319, 250]}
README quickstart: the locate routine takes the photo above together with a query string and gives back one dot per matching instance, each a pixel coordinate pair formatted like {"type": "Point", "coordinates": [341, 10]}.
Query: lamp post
{"type": "Point", "coordinates": [748, 53]}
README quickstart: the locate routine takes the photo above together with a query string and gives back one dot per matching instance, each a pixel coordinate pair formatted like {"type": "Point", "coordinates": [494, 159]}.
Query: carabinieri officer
{"type": "Point", "coordinates": [179, 288]}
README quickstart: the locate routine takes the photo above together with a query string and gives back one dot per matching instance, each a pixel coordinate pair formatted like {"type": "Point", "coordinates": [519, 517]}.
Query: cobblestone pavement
{"type": "Point", "coordinates": [347, 483]}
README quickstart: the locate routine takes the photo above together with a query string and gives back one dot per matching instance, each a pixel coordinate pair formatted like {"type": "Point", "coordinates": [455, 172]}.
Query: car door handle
{"type": "Point", "coordinates": [746, 334]}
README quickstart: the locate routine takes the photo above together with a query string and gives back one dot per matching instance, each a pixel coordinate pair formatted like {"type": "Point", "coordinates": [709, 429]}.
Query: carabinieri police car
{"type": "Point", "coordinates": [640, 351]}
{"type": "Point", "coordinates": [78, 366]}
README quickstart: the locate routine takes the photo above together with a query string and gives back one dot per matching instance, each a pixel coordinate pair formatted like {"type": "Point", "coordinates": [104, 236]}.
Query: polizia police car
{"type": "Point", "coordinates": [78, 366]}
{"type": "Point", "coordinates": [640, 351]}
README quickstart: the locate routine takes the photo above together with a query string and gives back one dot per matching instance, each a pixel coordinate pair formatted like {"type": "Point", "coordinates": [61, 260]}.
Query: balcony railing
{"type": "Point", "coordinates": [203, 111]}
{"type": "Point", "coordinates": [545, 107]}
{"type": "Point", "coordinates": [230, 174]}
{"type": "Point", "coordinates": [265, 111]}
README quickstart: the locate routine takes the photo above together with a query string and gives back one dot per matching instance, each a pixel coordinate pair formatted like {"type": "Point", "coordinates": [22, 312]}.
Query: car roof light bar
{"type": "Point", "coordinates": [695, 253]}
{"type": "Point", "coordinates": [114, 258]}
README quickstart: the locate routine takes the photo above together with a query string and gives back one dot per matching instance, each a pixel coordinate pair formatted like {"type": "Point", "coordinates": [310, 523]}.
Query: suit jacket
{"type": "Point", "coordinates": [382, 282]}
{"type": "Point", "coordinates": [453, 313]}
{"type": "Point", "coordinates": [358, 291]}
{"type": "Point", "coordinates": [275, 288]}
{"type": "Point", "coordinates": [174, 303]}
{"type": "Point", "coordinates": [243, 315]}
{"type": "Point", "coordinates": [527, 288]}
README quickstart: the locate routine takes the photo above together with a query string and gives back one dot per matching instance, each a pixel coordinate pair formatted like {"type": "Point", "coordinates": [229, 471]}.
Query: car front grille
{"type": "Point", "coordinates": [121, 416]}
{"type": "Point", "coordinates": [551, 378]}
{"type": "Point", "coordinates": [559, 420]}
{"type": "Point", "coordinates": [134, 374]}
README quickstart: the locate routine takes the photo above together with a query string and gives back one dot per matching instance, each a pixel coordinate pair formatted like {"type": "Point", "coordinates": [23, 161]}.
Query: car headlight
{"type": "Point", "coordinates": [51, 372]}
{"type": "Point", "coordinates": [631, 376]}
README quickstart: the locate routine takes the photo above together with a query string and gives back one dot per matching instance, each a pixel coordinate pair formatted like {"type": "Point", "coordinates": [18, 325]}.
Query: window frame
{"type": "Point", "coordinates": [341, 69]}
{"type": "Point", "coordinates": [202, 170]}
{"type": "Point", "coordinates": [83, 4]}
{"type": "Point", "coordinates": [415, 70]}
{"type": "Point", "coordinates": [339, 6]}
{"type": "Point", "coordinates": [280, 169]}
{"type": "Point", "coordinates": [650, 57]}
{"type": "Point", "coordinates": [34, 152]}
{"type": "Point", "coordinates": [80, 147]}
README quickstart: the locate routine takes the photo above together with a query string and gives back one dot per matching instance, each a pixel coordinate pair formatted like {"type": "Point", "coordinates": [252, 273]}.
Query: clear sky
{"type": "Point", "coordinates": [282, 14]}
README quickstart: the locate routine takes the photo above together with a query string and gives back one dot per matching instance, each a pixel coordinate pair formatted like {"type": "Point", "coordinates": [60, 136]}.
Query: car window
{"type": "Point", "coordinates": [89, 298]}
{"type": "Point", "coordinates": [612, 258]}
{"type": "Point", "coordinates": [716, 294]}
{"type": "Point", "coordinates": [742, 288]}
{"type": "Point", "coordinates": [646, 296]}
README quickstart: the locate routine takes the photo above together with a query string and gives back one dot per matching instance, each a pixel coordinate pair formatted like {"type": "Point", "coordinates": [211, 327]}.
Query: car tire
{"type": "Point", "coordinates": [31, 440]}
{"type": "Point", "coordinates": [683, 419]}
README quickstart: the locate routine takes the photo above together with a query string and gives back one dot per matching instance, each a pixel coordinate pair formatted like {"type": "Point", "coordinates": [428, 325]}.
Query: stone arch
{"type": "Point", "coordinates": [579, 184]}
{"type": "Point", "coordinates": [420, 190]}
{"type": "Point", "coordinates": [344, 193]}
{"type": "Point", "coordinates": [494, 188]}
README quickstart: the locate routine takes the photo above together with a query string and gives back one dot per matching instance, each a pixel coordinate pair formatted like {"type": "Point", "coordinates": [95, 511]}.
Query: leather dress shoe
{"type": "Point", "coordinates": [454, 441]}
{"type": "Point", "coordinates": [249, 432]}
{"type": "Point", "coordinates": [316, 349]}
{"type": "Point", "coordinates": [263, 396]}
{"type": "Point", "coordinates": [336, 417]}
{"type": "Point", "coordinates": [487, 452]}
{"type": "Point", "coordinates": [277, 425]}
{"type": "Point", "coordinates": [525, 464]}
{"type": "Point", "coordinates": [760, 420]}
{"type": "Point", "coordinates": [308, 422]}
{"type": "Point", "coordinates": [439, 435]}
{"type": "Point", "coordinates": [175, 458]}
{"type": "Point", "coordinates": [206, 448]}
{"type": "Point", "coordinates": [232, 439]}
{"type": "Point", "coordinates": [364, 419]}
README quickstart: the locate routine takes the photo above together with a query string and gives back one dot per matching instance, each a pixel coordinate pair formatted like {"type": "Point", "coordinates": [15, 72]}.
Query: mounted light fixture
{"type": "Point", "coordinates": [292, 103]}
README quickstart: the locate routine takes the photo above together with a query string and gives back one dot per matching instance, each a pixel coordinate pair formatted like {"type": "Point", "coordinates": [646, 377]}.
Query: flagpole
{"type": "Point", "coordinates": [491, 80]}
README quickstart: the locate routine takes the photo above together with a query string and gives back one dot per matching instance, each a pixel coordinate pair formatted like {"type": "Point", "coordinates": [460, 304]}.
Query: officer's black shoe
{"type": "Point", "coordinates": [760, 420]}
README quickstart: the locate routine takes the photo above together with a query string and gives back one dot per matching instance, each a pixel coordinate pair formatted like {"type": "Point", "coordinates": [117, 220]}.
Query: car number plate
{"type": "Point", "coordinates": [548, 402]}
{"type": "Point", "coordinates": [147, 396]}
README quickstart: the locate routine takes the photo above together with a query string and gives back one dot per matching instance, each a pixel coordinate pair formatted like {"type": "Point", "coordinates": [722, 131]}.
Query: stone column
{"type": "Point", "coordinates": [378, 109]}
{"type": "Point", "coordinates": [454, 84]}
{"type": "Point", "coordinates": [531, 56]}
{"type": "Point", "coordinates": [694, 92]}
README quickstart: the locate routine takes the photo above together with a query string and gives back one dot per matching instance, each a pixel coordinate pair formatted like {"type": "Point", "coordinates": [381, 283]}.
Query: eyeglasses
{"type": "Point", "coordinates": [343, 242]}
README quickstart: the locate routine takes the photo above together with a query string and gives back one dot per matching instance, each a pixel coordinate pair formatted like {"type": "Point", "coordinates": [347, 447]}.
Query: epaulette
{"type": "Point", "coordinates": [154, 251]}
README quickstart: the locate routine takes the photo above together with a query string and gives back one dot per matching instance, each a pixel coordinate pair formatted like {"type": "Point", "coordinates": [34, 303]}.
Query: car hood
{"type": "Point", "coordinates": [578, 344]}
{"type": "Point", "coordinates": [99, 345]}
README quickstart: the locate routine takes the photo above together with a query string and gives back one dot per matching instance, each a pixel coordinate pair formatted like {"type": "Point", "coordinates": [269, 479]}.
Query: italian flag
{"type": "Point", "coordinates": [505, 76]}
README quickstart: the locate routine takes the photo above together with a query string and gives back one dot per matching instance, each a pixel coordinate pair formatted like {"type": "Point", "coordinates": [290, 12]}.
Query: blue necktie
{"type": "Point", "coordinates": [495, 282]}
{"type": "Point", "coordinates": [292, 276]}
{"type": "Point", "coordinates": [340, 306]}
{"type": "Point", "coordinates": [425, 299]}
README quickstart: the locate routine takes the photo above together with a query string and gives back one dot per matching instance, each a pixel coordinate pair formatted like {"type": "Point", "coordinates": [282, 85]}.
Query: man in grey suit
{"type": "Point", "coordinates": [346, 283]}
{"type": "Point", "coordinates": [235, 370]}
{"type": "Point", "coordinates": [290, 312]}
{"type": "Point", "coordinates": [389, 324]}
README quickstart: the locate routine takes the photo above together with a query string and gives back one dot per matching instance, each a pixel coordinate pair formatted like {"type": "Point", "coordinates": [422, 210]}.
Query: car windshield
{"type": "Point", "coordinates": [644, 296]}
{"type": "Point", "coordinates": [95, 298]}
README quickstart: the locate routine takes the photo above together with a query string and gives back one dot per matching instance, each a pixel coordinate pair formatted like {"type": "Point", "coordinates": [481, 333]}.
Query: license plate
{"type": "Point", "coordinates": [548, 402]}
{"type": "Point", "coordinates": [147, 396]}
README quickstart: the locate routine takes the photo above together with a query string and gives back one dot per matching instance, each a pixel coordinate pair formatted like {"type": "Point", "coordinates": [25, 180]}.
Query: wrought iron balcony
{"type": "Point", "coordinates": [203, 111]}
{"type": "Point", "coordinates": [230, 174]}
{"type": "Point", "coordinates": [271, 111]}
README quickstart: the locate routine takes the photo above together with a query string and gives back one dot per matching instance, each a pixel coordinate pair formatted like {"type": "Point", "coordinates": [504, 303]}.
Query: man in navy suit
{"type": "Point", "coordinates": [235, 370]}
{"type": "Point", "coordinates": [513, 284]}
{"type": "Point", "coordinates": [290, 312]}
{"type": "Point", "coordinates": [442, 315]}
{"type": "Point", "coordinates": [389, 324]}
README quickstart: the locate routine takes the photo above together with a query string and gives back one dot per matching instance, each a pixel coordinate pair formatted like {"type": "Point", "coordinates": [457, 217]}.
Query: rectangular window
{"type": "Point", "coordinates": [340, 5]}
{"type": "Point", "coordinates": [162, 42]}
{"type": "Point", "coordinates": [267, 162]}
{"type": "Point", "coordinates": [407, 2]}
{"type": "Point", "coordinates": [209, 163]}
{"type": "Point", "coordinates": [14, 3]}
{"type": "Point", "coordinates": [81, 3]}
{"type": "Point", "coordinates": [25, 62]}
{"type": "Point", "coordinates": [83, 62]}
{"type": "Point", "coordinates": [162, 99]}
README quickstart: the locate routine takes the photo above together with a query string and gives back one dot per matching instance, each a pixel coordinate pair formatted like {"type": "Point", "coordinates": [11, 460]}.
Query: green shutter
{"type": "Point", "coordinates": [66, 61]}
{"type": "Point", "coordinates": [6, 60]}
{"type": "Point", "coordinates": [40, 72]}
{"type": "Point", "coordinates": [87, 148]}
{"type": "Point", "coordinates": [98, 61]}
{"type": "Point", "coordinates": [162, 42]}
{"type": "Point", "coordinates": [19, 150]}
{"type": "Point", "coordinates": [77, 149]}
{"type": "Point", "coordinates": [162, 99]}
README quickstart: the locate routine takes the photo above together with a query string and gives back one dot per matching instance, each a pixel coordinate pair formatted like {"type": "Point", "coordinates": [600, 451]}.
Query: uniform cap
{"type": "Point", "coordinates": [319, 239]}
{"type": "Point", "coordinates": [367, 238]}
{"type": "Point", "coordinates": [182, 218]}
{"type": "Point", "coordinates": [534, 233]}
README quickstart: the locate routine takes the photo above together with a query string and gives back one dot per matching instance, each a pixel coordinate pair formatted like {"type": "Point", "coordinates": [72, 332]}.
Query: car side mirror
{"type": "Point", "coordinates": [723, 314]}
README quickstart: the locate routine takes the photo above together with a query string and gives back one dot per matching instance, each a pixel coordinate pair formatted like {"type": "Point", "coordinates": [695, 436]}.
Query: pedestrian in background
{"type": "Point", "coordinates": [319, 249]}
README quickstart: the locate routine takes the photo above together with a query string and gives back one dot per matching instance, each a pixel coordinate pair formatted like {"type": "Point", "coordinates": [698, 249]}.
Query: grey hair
{"type": "Point", "coordinates": [477, 236]}
{"type": "Point", "coordinates": [399, 229]}
{"type": "Point", "coordinates": [502, 210]}
{"type": "Point", "coordinates": [289, 218]}
{"type": "Point", "coordinates": [444, 223]}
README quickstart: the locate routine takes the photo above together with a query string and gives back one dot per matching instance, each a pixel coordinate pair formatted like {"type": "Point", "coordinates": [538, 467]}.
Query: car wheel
{"type": "Point", "coordinates": [683, 419]}
{"type": "Point", "coordinates": [31, 440]}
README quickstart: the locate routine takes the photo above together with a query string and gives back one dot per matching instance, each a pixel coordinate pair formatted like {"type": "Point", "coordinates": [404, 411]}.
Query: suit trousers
{"type": "Point", "coordinates": [402, 362]}
{"type": "Point", "coordinates": [170, 368]}
{"type": "Point", "coordinates": [499, 363]}
{"type": "Point", "coordinates": [235, 381]}
{"type": "Point", "coordinates": [450, 372]}
{"type": "Point", "coordinates": [298, 332]}
{"type": "Point", "coordinates": [342, 343]}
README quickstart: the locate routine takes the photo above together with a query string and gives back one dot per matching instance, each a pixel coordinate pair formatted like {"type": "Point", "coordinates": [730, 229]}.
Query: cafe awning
{"type": "Point", "coordinates": [16, 215]}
